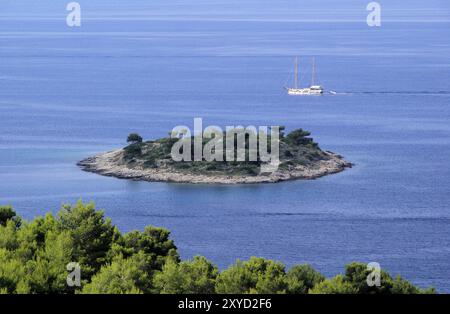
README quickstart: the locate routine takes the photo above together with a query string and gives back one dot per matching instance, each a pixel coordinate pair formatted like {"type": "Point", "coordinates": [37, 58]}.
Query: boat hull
{"type": "Point", "coordinates": [304, 91]}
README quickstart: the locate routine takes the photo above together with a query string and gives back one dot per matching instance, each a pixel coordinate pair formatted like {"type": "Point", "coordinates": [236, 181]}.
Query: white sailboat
{"type": "Point", "coordinates": [312, 90]}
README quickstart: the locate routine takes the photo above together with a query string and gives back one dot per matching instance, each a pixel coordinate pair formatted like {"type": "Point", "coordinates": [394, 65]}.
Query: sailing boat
{"type": "Point", "coordinates": [312, 90]}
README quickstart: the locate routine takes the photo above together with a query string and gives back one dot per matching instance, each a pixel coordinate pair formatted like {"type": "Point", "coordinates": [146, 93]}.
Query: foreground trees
{"type": "Point", "coordinates": [34, 257]}
{"type": "Point", "coordinates": [194, 277]}
{"type": "Point", "coordinates": [257, 275]}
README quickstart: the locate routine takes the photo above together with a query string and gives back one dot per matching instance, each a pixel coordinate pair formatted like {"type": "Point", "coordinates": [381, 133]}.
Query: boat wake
{"type": "Point", "coordinates": [390, 93]}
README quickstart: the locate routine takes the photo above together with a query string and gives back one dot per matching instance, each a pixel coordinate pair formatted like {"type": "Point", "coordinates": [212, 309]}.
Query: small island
{"type": "Point", "coordinates": [299, 158]}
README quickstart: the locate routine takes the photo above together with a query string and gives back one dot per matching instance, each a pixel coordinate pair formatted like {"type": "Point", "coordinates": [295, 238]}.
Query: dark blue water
{"type": "Point", "coordinates": [69, 93]}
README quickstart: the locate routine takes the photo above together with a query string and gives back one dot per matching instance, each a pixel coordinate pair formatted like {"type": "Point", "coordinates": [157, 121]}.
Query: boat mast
{"type": "Point", "coordinates": [296, 72]}
{"type": "Point", "coordinates": [313, 71]}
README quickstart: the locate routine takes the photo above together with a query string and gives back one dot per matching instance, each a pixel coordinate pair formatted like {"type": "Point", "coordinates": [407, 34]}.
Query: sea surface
{"type": "Point", "coordinates": [147, 66]}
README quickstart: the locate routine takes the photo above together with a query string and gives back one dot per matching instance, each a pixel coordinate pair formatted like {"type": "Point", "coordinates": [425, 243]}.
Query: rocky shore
{"type": "Point", "coordinates": [112, 164]}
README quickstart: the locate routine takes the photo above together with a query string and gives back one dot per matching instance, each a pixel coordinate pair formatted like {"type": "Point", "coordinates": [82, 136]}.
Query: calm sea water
{"type": "Point", "coordinates": [69, 93]}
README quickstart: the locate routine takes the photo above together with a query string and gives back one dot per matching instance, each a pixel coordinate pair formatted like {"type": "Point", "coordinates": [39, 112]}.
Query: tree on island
{"type": "Point", "coordinates": [134, 138]}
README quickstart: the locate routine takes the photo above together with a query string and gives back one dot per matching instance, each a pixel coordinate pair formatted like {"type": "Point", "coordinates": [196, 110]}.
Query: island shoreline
{"type": "Point", "coordinates": [108, 164]}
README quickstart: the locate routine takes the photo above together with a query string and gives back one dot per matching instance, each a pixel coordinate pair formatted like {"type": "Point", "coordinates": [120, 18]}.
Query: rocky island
{"type": "Point", "coordinates": [299, 158]}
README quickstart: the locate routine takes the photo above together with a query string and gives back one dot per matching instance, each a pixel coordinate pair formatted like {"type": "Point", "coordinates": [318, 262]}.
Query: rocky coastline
{"type": "Point", "coordinates": [112, 164]}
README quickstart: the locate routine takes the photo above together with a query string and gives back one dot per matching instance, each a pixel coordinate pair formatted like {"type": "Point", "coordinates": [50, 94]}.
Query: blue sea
{"type": "Point", "coordinates": [147, 66]}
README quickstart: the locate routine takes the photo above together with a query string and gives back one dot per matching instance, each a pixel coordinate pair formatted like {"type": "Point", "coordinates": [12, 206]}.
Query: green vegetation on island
{"type": "Point", "coordinates": [296, 148]}
{"type": "Point", "coordinates": [34, 256]}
